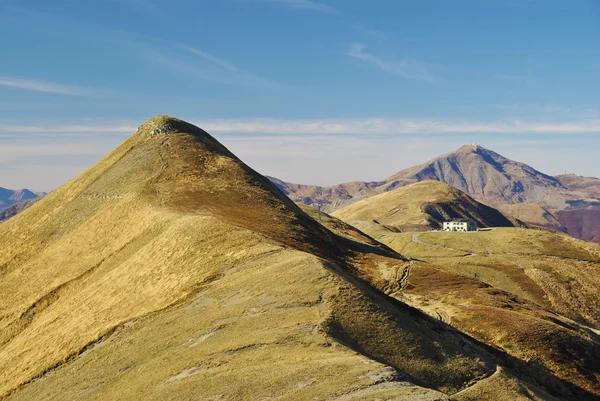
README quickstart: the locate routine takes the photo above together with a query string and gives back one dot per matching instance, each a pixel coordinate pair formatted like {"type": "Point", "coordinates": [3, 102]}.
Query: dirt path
{"type": "Point", "coordinates": [416, 240]}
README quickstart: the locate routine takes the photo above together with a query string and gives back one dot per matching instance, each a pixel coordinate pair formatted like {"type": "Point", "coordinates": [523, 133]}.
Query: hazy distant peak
{"type": "Point", "coordinates": [9, 197]}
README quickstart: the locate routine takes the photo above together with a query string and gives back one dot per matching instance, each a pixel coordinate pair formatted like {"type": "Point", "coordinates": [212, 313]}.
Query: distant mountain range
{"type": "Point", "coordinates": [10, 197]}
{"type": "Point", "coordinates": [566, 202]}
{"type": "Point", "coordinates": [17, 208]}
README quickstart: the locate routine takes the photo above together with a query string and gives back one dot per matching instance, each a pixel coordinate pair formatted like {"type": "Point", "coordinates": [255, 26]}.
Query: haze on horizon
{"type": "Point", "coordinates": [369, 89]}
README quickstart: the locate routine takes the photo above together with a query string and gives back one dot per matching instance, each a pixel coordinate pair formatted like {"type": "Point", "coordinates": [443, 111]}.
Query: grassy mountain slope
{"type": "Point", "coordinates": [529, 292]}
{"type": "Point", "coordinates": [427, 203]}
{"type": "Point", "coordinates": [171, 270]}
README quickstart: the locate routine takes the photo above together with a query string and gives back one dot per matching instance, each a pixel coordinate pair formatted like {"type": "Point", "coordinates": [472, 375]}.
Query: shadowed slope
{"type": "Point", "coordinates": [427, 203]}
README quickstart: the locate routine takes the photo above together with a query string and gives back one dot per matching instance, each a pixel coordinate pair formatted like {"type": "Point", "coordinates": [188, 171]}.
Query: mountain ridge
{"type": "Point", "coordinates": [10, 197]}
{"type": "Point", "coordinates": [485, 175]}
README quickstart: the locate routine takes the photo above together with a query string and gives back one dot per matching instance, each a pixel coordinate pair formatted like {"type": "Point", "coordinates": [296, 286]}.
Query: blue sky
{"type": "Point", "coordinates": [310, 91]}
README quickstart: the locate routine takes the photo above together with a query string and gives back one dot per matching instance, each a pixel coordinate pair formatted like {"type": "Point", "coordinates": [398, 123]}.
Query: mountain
{"type": "Point", "coordinates": [171, 270]}
{"type": "Point", "coordinates": [535, 215]}
{"type": "Point", "coordinates": [17, 208]}
{"type": "Point", "coordinates": [331, 198]}
{"type": "Point", "coordinates": [481, 173]}
{"type": "Point", "coordinates": [488, 177]}
{"type": "Point", "coordinates": [582, 218]}
{"type": "Point", "coordinates": [9, 197]}
{"type": "Point", "coordinates": [581, 222]}
{"type": "Point", "coordinates": [590, 186]}
{"type": "Point", "coordinates": [425, 203]}
{"type": "Point", "coordinates": [513, 187]}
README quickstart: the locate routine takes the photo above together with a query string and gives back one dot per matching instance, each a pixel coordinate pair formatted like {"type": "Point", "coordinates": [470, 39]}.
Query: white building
{"type": "Point", "coordinates": [460, 225]}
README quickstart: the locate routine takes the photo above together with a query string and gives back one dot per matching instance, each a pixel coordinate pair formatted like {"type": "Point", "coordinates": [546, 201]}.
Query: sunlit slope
{"type": "Point", "coordinates": [426, 203]}
{"type": "Point", "coordinates": [531, 293]}
{"type": "Point", "coordinates": [171, 270]}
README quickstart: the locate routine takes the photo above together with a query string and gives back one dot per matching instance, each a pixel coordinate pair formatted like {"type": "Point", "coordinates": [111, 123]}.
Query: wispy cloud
{"type": "Point", "coordinates": [43, 86]}
{"type": "Point", "coordinates": [83, 129]}
{"type": "Point", "coordinates": [215, 60]}
{"type": "Point", "coordinates": [399, 127]}
{"type": "Point", "coordinates": [355, 127]}
{"type": "Point", "coordinates": [407, 68]}
{"type": "Point", "coordinates": [309, 5]}
{"type": "Point", "coordinates": [200, 64]}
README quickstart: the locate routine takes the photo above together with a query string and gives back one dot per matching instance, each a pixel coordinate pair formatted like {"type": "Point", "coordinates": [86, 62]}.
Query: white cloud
{"type": "Point", "coordinates": [259, 127]}
{"type": "Point", "coordinates": [381, 126]}
{"type": "Point", "coordinates": [43, 86]}
{"type": "Point", "coordinates": [68, 129]}
{"type": "Point", "coordinates": [406, 68]}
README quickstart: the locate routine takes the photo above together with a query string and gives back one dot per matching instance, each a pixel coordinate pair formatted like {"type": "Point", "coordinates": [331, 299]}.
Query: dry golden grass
{"type": "Point", "coordinates": [251, 332]}
{"type": "Point", "coordinates": [172, 271]}
{"type": "Point", "coordinates": [532, 293]}
{"type": "Point", "coordinates": [502, 387]}
{"type": "Point", "coordinates": [425, 203]}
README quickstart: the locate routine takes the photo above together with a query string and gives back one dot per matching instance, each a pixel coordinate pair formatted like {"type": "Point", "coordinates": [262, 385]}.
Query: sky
{"type": "Point", "coordinates": [309, 91]}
